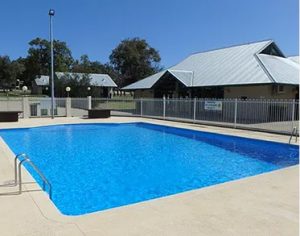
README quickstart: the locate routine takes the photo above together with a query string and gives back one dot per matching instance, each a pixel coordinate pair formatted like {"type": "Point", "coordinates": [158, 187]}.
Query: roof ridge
{"type": "Point", "coordinates": [221, 48]}
{"type": "Point", "coordinates": [232, 46]}
{"type": "Point", "coordinates": [189, 71]}
{"type": "Point", "coordinates": [81, 73]}
{"type": "Point", "coordinates": [263, 67]}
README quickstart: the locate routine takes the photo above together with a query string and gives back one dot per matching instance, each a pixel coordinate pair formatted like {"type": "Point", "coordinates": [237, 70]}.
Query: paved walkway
{"type": "Point", "coordinates": [265, 204]}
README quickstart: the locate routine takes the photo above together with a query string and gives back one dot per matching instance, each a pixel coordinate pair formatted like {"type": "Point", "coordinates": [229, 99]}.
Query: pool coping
{"type": "Point", "coordinates": [50, 212]}
{"type": "Point", "coordinates": [281, 138]}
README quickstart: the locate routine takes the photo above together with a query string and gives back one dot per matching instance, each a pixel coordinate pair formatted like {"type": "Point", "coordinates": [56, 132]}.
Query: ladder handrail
{"type": "Point", "coordinates": [15, 166]}
{"type": "Point", "coordinates": [19, 173]}
{"type": "Point", "coordinates": [292, 134]}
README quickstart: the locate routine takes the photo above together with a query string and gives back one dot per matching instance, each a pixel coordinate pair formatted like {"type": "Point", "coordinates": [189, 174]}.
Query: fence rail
{"type": "Point", "coordinates": [279, 116]}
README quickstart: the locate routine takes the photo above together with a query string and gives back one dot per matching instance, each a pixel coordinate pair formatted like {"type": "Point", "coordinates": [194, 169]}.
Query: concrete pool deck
{"type": "Point", "coordinates": [266, 204]}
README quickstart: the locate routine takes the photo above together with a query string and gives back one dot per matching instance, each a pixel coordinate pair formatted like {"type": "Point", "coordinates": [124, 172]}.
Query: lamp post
{"type": "Point", "coordinates": [68, 89]}
{"type": "Point", "coordinates": [51, 14]}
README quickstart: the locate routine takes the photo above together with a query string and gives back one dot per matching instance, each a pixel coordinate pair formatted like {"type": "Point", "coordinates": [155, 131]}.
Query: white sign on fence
{"type": "Point", "coordinates": [213, 105]}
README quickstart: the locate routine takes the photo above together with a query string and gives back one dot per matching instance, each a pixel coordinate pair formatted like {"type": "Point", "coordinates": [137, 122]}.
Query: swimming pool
{"type": "Point", "coordinates": [93, 167]}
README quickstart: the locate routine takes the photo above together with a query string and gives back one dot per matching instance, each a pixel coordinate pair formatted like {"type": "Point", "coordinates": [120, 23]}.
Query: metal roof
{"type": "Point", "coordinates": [147, 82]}
{"type": "Point", "coordinates": [101, 80]}
{"type": "Point", "coordinates": [282, 70]}
{"type": "Point", "coordinates": [237, 65]}
{"type": "Point", "coordinates": [185, 77]}
{"type": "Point", "coordinates": [295, 59]}
{"type": "Point", "coordinates": [42, 80]}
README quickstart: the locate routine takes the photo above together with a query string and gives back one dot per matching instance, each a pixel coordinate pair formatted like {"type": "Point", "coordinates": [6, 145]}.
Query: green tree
{"type": "Point", "coordinates": [134, 59]}
{"type": "Point", "coordinates": [10, 71]}
{"type": "Point", "coordinates": [77, 82]}
{"type": "Point", "coordinates": [84, 65]}
{"type": "Point", "coordinates": [38, 59]}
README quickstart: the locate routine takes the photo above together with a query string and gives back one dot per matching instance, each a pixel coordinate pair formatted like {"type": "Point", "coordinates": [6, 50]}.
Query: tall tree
{"type": "Point", "coordinates": [38, 59]}
{"type": "Point", "coordinates": [9, 71]}
{"type": "Point", "coordinates": [85, 65]}
{"type": "Point", "coordinates": [134, 59]}
{"type": "Point", "coordinates": [77, 82]}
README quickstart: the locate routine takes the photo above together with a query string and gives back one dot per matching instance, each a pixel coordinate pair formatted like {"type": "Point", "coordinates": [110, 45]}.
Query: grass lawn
{"type": "Point", "coordinates": [114, 104]}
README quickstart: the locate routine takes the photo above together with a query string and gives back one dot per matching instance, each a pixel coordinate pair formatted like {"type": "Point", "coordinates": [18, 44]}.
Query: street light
{"type": "Point", "coordinates": [51, 14]}
{"type": "Point", "coordinates": [68, 89]}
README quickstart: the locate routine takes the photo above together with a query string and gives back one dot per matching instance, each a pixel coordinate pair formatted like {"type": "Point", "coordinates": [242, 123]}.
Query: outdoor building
{"type": "Point", "coordinates": [102, 83]}
{"type": "Point", "coordinates": [254, 70]}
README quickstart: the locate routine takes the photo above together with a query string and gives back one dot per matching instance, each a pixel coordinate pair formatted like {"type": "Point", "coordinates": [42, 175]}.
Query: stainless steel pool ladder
{"type": "Point", "coordinates": [18, 173]}
{"type": "Point", "coordinates": [294, 133]}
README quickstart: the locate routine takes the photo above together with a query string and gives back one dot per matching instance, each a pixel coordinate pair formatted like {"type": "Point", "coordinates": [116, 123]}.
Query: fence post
{"type": "Point", "coordinates": [38, 110]}
{"type": "Point", "coordinates": [195, 103]}
{"type": "Point", "coordinates": [293, 113]}
{"type": "Point", "coordinates": [7, 103]}
{"type": "Point", "coordinates": [164, 107]}
{"type": "Point", "coordinates": [89, 98]}
{"type": "Point", "coordinates": [68, 107]}
{"type": "Point", "coordinates": [26, 108]}
{"type": "Point", "coordinates": [235, 111]}
{"type": "Point", "coordinates": [141, 107]}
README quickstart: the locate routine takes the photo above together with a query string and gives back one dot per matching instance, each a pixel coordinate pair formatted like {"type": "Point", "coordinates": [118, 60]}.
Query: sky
{"type": "Point", "coordinates": [176, 28]}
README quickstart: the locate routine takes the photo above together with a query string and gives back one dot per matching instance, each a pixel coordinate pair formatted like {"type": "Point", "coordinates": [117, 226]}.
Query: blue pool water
{"type": "Point", "coordinates": [94, 167]}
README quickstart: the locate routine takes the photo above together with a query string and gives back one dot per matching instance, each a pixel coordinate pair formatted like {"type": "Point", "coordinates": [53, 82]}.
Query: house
{"type": "Point", "coordinates": [253, 70]}
{"type": "Point", "coordinates": [102, 83]}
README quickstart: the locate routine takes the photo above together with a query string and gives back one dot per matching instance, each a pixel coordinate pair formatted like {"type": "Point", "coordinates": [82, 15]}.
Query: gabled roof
{"type": "Point", "coordinates": [185, 77]}
{"type": "Point", "coordinates": [282, 70]}
{"type": "Point", "coordinates": [237, 65]}
{"type": "Point", "coordinates": [101, 80]}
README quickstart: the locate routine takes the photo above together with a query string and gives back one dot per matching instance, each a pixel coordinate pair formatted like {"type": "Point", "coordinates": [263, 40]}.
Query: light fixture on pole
{"type": "Point", "coordinates": [51, 14]}
{"type": "Point", "coordinates": [68, 89]}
